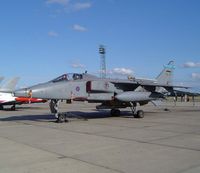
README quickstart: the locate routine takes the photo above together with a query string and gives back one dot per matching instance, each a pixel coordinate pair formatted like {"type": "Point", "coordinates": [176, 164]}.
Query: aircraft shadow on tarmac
{"type": "Point", "coordinates": [29, 118]}
{"type": "Point", "coordinates": [70, 115]}
{"type": "Point", "coordinates": [22, 108]}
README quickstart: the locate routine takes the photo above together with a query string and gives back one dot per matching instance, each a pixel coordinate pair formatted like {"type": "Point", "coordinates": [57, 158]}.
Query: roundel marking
{"type": "Point", "coordinates": [77, 88]}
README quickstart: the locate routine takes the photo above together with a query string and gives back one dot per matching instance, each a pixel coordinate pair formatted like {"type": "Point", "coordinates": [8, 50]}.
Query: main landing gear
{"type": "Point", "coordinates": [1, 107]}
{"type": "Point", "coordinates": [12, 108]}
{"type": "Point", "coordinates": [62, 117]}
{"type": "Point", "coordinates": [136, 114]}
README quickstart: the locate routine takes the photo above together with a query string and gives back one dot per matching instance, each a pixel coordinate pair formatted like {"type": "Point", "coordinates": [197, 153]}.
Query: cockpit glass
{"type": "Point", "coordinates": [77, 76]}
{"type": "Point", "coordinates": [60, 78]}
{"type": "Point", "coordinates": [68, 77]}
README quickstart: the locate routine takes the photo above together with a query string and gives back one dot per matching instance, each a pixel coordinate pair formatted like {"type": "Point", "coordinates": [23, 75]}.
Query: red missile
{"type": "Point", "coordinates": [29, 100]}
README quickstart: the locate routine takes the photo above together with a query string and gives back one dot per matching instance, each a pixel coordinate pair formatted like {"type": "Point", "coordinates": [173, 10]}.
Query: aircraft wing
{"type": "Point", "coordinates": [181, 92]}
{"type": "Point", "coordinates": [125, 85]}
{"type": "Point", "coordinates": [131, 85]}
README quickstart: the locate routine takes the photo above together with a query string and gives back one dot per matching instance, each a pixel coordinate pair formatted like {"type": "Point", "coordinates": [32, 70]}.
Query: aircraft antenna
{"type": "Point", "coordinates": [102, 53]}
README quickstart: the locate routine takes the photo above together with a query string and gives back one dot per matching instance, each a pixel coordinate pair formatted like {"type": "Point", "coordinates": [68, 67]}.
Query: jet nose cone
{"type": "Point", "coordinates": [23, 93]}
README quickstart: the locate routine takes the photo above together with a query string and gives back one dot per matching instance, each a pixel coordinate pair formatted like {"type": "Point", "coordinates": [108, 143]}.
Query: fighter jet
{"type": "Point", "coordinates": [112, 94]}
{"type": "Point", "coordinates": [6, 90]}
{"type": "Point", "coordinates": [7, 97]}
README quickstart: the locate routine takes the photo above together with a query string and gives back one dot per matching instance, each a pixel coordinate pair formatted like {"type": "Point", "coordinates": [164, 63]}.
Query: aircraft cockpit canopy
{"type": "Point", "coordinates": [68, 77]}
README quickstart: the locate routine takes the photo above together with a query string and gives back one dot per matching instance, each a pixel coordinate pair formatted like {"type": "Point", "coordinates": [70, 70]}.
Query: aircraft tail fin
{"type": "Point", "coordinates": [10, 85]}
{"type": "Point", "coordinates": [166, 75]}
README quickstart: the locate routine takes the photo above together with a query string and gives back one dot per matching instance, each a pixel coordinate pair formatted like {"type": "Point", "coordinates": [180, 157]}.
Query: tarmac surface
{"type": "Point", "coordinates": [161, 142]}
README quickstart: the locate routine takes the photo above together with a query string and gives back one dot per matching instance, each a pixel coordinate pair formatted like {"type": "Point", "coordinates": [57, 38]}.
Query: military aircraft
{"type": "Point", "coordinates": [110, 93]}
{"type": "Point", "coordinates": [6, 90]}
{"type": "Point", "coordinates": [7, 97]}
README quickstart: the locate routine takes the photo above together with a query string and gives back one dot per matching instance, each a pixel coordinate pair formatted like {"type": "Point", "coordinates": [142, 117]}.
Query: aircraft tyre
{"type": "Point", "coordinates": [61, 118]}
{"type": "Point", "coordinates": [13, 108]}
{"type": "Point", "coordinates": [1, 107]}
{"type": "Point", "coordinates": [140, 114]}
{"type": "Point", "coordinates": [115, 112]}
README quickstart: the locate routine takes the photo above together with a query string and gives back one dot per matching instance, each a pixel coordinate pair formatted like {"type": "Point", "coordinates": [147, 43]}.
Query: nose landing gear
{"type": "Point", "coordinates": [61, 116]}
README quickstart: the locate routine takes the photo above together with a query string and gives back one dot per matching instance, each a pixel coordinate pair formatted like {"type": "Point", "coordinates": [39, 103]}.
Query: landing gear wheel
{"type": "Point", "coordinates": [61, 118]}
{"type": "Point", "coordinates": [115, 112]}
{"type": "Point", "coordinates": [140, 114]}
{"type": "Point", "coordinates": [13, 108]}
{"type": "Point", "coordinates": [112, 112]}
{"type": "Point", "coordinates": [1, 107]}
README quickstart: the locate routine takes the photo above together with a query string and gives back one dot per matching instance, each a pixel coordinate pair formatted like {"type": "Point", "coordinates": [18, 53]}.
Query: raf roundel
{"type": "Point", "coordinates": [77, 88]}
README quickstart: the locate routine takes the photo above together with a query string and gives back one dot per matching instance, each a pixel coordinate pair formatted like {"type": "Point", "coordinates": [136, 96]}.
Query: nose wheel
{"type": "Point", "coordinates": [61, 118]}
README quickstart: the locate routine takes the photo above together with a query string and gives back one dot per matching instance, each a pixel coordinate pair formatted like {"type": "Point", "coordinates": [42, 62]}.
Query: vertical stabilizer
{"type": "Point", "coordinates": [166, 76]}
{"type": "Point", "coordinates": [10, 85]}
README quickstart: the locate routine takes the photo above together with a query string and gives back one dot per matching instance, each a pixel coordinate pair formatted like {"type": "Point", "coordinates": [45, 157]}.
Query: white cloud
{"type": "Point", "coordinates": [79, 28]}
{"type": "Point", "coordinates": [60, 2]}
{"type": "Point", "coordinates": [70, 5]}
{"type": "Point", "coordinates": [122, 71]}
{"type": "Point", "coordinates": [77, 65]}
{"type": "Point", "coordinates": [81, 6]}
{"type": "Point", "coordinates": [191, 64]}
{"type": "Point", "coordinates": [196, 76]}
{"type": "Point", "coordinates": [52, 34]}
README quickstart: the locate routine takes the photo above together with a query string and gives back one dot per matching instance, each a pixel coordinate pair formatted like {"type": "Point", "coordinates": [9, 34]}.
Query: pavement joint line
{"type": "Point", "coordinates": [170, 123]}
{"type": "Point", "coordinates": [14, 125]}
{"type": "Point", "coordinates": [154, 143]}
{"type": "Point", "coordinates": [96, 134]}
{"type": "Point", "coordinates": [183, 133]}
{"type": "Point", "coordinates": [128, 127]}
{"type": "Point", "coordinates": [154, 140]}
{"type": "Point", "coordinates": [61, 156]}
{"type": "Point", "coordinates": [135, 140]}
{"type": "Point", "coordinates": [189, 168]}
{"type": "Point", "coordinates": [114, 118]}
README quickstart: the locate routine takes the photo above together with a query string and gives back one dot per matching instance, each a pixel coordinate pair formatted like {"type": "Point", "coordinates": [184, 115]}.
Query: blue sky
{"type": "Point", "coordinates": [41, 39]}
